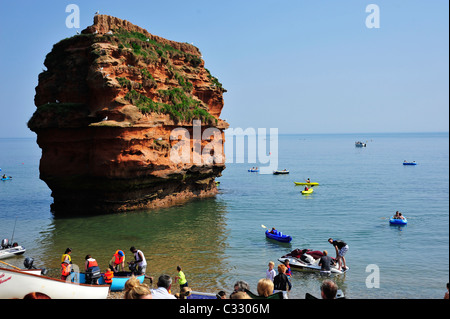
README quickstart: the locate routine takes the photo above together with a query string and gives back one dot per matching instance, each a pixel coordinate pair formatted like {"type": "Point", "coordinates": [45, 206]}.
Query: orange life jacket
{"type": "Point", "coordinates": [118, 259]}
{"type": "Point", "coordinates": [109, 276]}
{"type": "Point", "coordinates": [92, 263]}
{"type": "Point", "coordinates": [65, 269]}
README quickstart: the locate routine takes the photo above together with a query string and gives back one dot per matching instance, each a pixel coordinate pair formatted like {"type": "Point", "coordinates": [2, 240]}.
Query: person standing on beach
{"type": "Point", "coordinates": [139, 260]}
{"type": "Point", "coordinates": [341, 249]}
{"type": "Point", "coordinates": [118, 261]}
{"type": "Point", "coordinates": [270, 273]}
{"type": "Point", "coordinates": [66, 256]}
{"type": "Point", "coordinates": [181, 278]}
{"type": "Point", "coordinates": [281, 281]}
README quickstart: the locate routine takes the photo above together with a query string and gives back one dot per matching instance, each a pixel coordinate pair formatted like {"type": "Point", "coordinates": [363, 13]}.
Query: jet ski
{"type": "Point", "coordinates": [307, 260]}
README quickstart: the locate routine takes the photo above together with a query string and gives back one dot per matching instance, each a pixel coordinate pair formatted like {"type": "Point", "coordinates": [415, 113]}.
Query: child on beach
{"type": "Point", "coordinates": [270, 273]}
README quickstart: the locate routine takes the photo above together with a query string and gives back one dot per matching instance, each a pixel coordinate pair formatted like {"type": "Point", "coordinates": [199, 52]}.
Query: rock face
{"type": "Point", "coordinates": [113, 107]}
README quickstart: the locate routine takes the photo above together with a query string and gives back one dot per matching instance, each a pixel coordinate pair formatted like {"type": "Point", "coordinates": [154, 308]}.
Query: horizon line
{"type": "Point", "coordinates": [323, 133]}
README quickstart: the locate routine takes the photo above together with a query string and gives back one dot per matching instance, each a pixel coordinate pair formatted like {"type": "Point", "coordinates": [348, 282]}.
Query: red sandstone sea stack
{"type": "Point", "coordinates": [106, 107]}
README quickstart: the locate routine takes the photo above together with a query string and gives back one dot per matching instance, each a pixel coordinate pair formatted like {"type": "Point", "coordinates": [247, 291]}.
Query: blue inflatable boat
{"type": "Point", "coordinates": [118, 281]}
{"type": "Point", "coordinates": [278, 236]}
{"type": "Point", "coordinates": [394, 221]}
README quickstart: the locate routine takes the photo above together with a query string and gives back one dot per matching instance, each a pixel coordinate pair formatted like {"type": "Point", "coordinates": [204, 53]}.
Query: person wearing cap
{"type": "Point", "coordinates": [118, 261]}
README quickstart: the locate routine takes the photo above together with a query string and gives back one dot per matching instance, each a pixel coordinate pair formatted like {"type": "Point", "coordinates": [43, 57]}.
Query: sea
{"type": "Point", "coordinates": [221, 240]}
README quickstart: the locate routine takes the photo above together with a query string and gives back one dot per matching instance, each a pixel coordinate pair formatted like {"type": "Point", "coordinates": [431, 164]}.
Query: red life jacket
{"type": "Point", "coordinates": [65, 269]}
{"type": "Point", "coordinates": [92, 263]}
{"type": "Point", "coordinates": [118, 259]}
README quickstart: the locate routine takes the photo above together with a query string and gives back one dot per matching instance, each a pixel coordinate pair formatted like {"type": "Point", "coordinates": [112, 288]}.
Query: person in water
{"type": "Point", "coordinates": [398, 215]}
{"type": "Point", "coordinates": [341, 249]}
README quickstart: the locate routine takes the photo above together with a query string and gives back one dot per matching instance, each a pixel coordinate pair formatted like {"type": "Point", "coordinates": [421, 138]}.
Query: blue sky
{"type": "Point", "coordinates": [300, 66]}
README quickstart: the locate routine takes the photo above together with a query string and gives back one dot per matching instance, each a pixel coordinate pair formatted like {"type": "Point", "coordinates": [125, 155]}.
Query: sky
{"type": "Point", "coordinates": [301, 66]}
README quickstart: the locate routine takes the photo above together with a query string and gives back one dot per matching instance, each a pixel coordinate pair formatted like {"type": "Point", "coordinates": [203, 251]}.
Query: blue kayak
{"type": "Point", "coordinates": [6, 178]}
{"type": "Point", "coordinates": [409, 163]}
{"type": "Point", "coordinates": [253, 170]}
{"type": "Point", "coordinates": [394, 221]}
{"type": "Point", "coordinates": [278, 236]}
{"type": "Point", "coordinates": [118, 282]}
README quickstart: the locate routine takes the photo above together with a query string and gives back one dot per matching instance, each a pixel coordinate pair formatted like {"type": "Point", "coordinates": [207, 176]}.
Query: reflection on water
{"type": "Point", "coordinates": [192, 236]}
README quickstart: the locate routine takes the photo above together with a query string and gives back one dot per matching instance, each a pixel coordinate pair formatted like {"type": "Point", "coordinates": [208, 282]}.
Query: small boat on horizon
{"type": "Point", "coordinates": [277, 172]}
{"type": "Point", "coordinates": [360, 144]}
{"type": "Point", "coordinates": [409, 163]}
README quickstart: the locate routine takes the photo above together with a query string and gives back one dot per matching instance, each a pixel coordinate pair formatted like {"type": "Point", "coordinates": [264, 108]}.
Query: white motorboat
{"type": "Point", "coordinates": [11, 251]}
{"type": "Point", "coordinates": [17, 284]}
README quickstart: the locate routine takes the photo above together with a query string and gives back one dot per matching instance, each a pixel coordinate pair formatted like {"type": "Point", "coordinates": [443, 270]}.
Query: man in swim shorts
{"type": "Point", "coordinates": [341, 249]}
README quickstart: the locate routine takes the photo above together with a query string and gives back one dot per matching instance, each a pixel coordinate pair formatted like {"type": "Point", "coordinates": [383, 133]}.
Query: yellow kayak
{"type": "Point", "coordinates": [307, 184]}
{"type": "Point", "coordinates": [309, 191]}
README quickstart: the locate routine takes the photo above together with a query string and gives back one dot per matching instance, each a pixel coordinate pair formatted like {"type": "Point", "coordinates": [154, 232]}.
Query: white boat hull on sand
{"type": "Point", "coordinates": [17, 284]}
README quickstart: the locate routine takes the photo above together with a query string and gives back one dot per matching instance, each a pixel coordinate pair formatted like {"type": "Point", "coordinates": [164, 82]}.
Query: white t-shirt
{"type": "Point", "coordinates": [161, 293]}
{"type": "Point", "coordinates": [270, 274]}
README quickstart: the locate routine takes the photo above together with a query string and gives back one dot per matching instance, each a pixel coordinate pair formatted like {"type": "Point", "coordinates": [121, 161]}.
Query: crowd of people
{"type": "Point", "coordinates": [273, 286]}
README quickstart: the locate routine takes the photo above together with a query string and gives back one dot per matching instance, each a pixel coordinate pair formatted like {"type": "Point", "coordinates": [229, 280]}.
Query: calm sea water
{"type": "Point", "coordinates": [219, 241]}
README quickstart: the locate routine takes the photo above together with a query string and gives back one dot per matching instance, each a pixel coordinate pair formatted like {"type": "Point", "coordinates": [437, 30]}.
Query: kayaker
{"type": "Point", "coordinates": [273, 231]}
{"type": "Point", "coordinates": [181, 278]}
{"type": "Point", "coordinates": [139, 260]}
{"type": "Point", "coordinates": [118, 261]}
{"type": "Point", "coordinates": [308, 180]}
{"type": "Point", "coordinates": [341, 249]}
{"type": "Point", "coordinates": [306, 188]}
